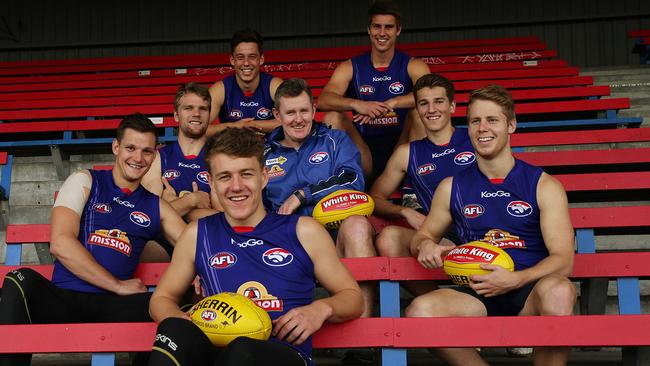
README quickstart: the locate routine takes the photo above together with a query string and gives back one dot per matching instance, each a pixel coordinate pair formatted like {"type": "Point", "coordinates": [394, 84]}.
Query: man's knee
{"type": "Point", "coordinates": [22, 279]}
{"type": "Point", "coordinates": [445, 302]}
{"type": "Point", "coordinates": [556, 295]}
{"type": "Point", "coordinates": [391, 243]}
{"type": "Point", "coordinates": [241, 351]}
{"type": "Point", "coordinates": [355, 236]}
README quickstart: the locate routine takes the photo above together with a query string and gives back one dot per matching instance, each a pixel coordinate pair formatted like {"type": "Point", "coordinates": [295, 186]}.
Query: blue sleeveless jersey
{"type": "Point", "coordinates": [505, 215]}
{"type": "Point", "coordinates": [429, 164]}
{"type": "Point", "coordinates": [268, 265]}
{"type": "Point", "coordinates": [237, 106]}
{"type": "Point", "coordinates": [180, 171]}
{"type": "Point", "coordinates": [114, 228]}
{"type": "Point", "coordinates": [370, 84]}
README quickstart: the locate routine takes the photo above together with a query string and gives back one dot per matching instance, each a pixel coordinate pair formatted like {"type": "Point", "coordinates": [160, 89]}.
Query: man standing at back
{"type": "Point", "coordinates": [376, 87]}
{"type": "Point", "coordinates": [245, 99]}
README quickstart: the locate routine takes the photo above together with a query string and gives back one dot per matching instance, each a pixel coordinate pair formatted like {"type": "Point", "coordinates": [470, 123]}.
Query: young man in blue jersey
{"type": "Point", "coordinates": [306, 162]}
{"type": "Point", "coordinates": [245, 99]}
{"type": "Point", "coordinates": [100, 223]}
{"type": "Point", "coordinates": [445, 151]}
{"type": "Point", "coordinates": [302, 252]}
{"type": "Point", "coordinates": [179, 173]}
{"type": "Point", "coordinates": [376, 87]}
{"type": "Point", "coordinates": [512, 205]}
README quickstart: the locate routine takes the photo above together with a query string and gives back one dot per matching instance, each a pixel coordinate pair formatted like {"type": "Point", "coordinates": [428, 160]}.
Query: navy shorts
{"type": "Point", "coordinates": [508, 304]}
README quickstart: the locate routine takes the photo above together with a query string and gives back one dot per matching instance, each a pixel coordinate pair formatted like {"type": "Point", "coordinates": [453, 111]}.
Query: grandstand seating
{"type": "Point", "coordinates": [468, 51]}
{"type": "Point", "coordinates": [56, 102]}
{"type": "Point", "coordinates": [389, 332]}
{"type": "Point", "coordinates": [641, 44]}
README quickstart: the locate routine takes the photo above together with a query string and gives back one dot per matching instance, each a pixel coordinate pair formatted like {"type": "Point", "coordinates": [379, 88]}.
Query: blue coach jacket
{"type": "Point", "coordinates": [326, 162]}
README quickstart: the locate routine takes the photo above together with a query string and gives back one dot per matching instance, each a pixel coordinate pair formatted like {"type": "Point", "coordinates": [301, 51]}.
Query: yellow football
{"type": "Point", "coordinates": [465, 260]}
{"type": "Point", "coordinates": [226, 316]}
{"type": "Point", "coordinates": [336, 207]}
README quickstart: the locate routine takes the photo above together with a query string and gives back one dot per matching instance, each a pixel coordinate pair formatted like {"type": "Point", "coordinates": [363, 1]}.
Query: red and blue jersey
{"type": "Point", "coordinates": [268, 264]}
{"type": "Point", "coordinates": [114, 228]}
{"type": "Point", "coordinates": [429, 164]}
{"type": "Point", "coordinates": [180, 171]}
{"type": "Point", "coordinates": [236, 105]}
{"type": "Point", "coordinates": [370, 84]}
{"type": "Point", "coordinates": [504, 214]}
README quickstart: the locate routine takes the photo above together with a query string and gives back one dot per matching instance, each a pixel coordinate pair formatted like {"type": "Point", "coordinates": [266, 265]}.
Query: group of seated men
{"type": "Point", "coordinates": [230, 204]}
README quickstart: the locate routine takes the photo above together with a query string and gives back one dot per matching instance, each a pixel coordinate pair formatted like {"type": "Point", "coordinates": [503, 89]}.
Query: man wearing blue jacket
{"type": "Point", "coordinates": [307, 161]}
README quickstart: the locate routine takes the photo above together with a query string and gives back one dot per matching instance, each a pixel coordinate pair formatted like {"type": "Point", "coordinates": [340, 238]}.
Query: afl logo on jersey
{"type": "Point", "coordinates": [396, 88]}
{"type": "Point", "coordinates": [140, 218]}
{"type": "Point", "coordinates": [426, 169]}
{"type": "Point", "coordinates": [464, 158]}
{"type": "Point", "coordinates": [263, 113]}
{"type": "Point", "coordinates": [102, 208]}
{"type": "Point", "coordinates": [223, 260]}
{"type": "Point", "coordinates": [171, 174]}
{"type": "Point", "coordinates": [277, 257]}
{"type": "Point", "coordinates": [366, 90]}
{"type": "Point", "coordinates": [319, 157]}
{"type": "Point", "coordinates": [236, 113]}
{"type": "Point", "coordinates": [473, 210]}
{"type": "Point", "coordinates": [203, 177]}
{"type": "Point", "coordinates": [520, 208]}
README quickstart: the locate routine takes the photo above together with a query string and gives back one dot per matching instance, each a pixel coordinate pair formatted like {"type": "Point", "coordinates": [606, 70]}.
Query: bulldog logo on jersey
{"type": "Point", "coordinates": [366, 90]}
{"type": "Point", "coordinates": [263, 113]}
{"type": "Point", "coordinates": [203, 177]}
{"type": "Point", "coordinates": [102, 208]}
{"type": "Point", "coordinates": [115, 239]}
{"type": "Point", "coordinates": [473, 210]}
{"type": "Point", "coordinates": [277, 257]}
{"type": "Point", "coordinates": [464, 158]}
{"type": "Point", "coordinates": [519, 208]}
{"type": "Point", "coordinates": [171, 174]}
{"type": "Point", "coordinates": [319, 157]}
{"type": "Point", "coordinates": [503, 239]}
{"type": "Point", "coordinates": [140, 218]}
{"type": "Point", "coordinates": [223, 260]}
{"type": "Point", "coordinates": [260, 296]}
{"type": "Point", "coordinates": [426, 169]}
{"type": "Point", "coordinates": [396, 88]}
{"type": "Point", "coordinates": [236, 113]}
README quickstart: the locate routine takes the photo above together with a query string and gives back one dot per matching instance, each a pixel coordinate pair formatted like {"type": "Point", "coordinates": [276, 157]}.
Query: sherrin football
{"type": "Point", "coordinates": [465, 260]}
{"type": "Point", "coordinates": [336, 207]}
{"type": "Point", "coordinates": [226, 316]}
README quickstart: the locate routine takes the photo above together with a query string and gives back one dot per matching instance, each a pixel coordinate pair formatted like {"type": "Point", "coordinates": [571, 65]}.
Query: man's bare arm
{"type": "Point", "coordinates": [176, 278]}
{"type": "Point", "coordinates": [425, 243]}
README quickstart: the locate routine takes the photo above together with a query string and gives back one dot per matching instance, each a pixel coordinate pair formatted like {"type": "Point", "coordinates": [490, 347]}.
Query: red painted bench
{"type": "Point", "coordinates": [574, 92]}
{"type": "Point", "coordinates": [159, 110]}
{"type": "Point", "coordinates": [314, 77]}
{"type": "Point", "coordinates": [386, 332]}
{"type": "Point", "coordinates": [435, 49]}
{"type": "Point", "coordinates": [171, 89]}
{"type": "Point", "coordinates": [274, 68]}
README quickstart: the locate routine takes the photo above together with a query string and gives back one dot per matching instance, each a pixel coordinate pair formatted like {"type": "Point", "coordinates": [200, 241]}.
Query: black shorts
{"type": "Point", "coordinates": [508, 304]}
